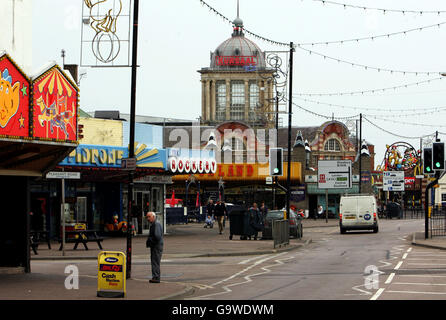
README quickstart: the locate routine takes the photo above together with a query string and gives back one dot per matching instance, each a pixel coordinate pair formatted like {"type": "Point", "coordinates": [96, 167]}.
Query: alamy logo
{"type": "Point", "coordinates": [72, 280]}
{"type": "Point", "coordinates": [371, 278]}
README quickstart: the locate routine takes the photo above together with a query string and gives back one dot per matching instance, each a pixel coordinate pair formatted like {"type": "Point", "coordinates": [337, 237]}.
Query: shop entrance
{"type": "Point", "coordinates": [142, 205]}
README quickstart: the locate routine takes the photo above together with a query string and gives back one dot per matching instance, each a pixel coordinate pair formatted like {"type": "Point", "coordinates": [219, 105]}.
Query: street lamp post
{"type": "Point", "coordinates": [290, 111]}
{"type": "Point", "coordinates": [132, 136]}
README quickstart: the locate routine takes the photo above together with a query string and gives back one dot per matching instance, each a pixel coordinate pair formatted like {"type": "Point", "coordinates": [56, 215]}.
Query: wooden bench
{"type": "Point", "coordinates": [82, 236]}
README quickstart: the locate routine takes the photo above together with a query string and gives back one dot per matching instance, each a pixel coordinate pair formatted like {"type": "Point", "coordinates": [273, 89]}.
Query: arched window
{"type": "Point", "coordinates": [332, 145]}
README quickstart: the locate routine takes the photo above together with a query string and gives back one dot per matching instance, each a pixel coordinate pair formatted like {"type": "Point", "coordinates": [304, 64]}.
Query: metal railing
{"type": "Point", "coordinates": [437, 222]}
{"type": "Point", "coordinates": [281, 233]}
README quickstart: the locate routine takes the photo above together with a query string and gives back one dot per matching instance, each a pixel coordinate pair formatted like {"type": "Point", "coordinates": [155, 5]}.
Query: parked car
{"type": "Point", "coordinates": [358, 212]}
{"type": "Point", "coordinates": [295, 225]}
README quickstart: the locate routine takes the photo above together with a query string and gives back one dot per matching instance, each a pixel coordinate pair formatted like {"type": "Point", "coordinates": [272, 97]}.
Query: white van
{"type": "Point", "coordinates": [358, 212]}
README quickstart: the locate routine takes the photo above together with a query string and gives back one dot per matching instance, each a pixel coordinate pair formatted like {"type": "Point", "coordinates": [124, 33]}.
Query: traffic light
{"type": "Point", "coordinates": [427, 161]}
{"type": "Point", "coordinates": [438, 156]}
{"type": "Point", "coordinates": [276, 162]}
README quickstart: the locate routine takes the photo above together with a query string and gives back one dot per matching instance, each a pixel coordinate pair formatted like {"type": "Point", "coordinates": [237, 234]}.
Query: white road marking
{"type": "Point", "coordinates": [249, 260]}
{"type": "Point", "coordinates": [418, 292]}
{"type": "Point", "coordinates": [246, 269]}
{"type": "Point", "coordinates": [390, 278]}
{"type": "Point", "coordinates": [420, 276]}
{"type": "Point", "coordinates": [427, 264]}
{"type": "Point", "coordinates": [398, 265]}
{"type": "Point", "coordinates": [404, 256]}
{"type": "Point", "coordinates": [377, 294]}
{"type": "Point", "coordinates": [409, 250]}
{"type": "Point", "coordinates": [248, 277]}
{"type": "Point", "coordinates": [420, 259]}
{"type": "Point", "coordinates": [421, 284]}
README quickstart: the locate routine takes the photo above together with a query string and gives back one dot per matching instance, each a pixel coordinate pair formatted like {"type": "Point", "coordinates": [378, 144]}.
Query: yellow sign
{"type": "Point", "coordinates": [80, 227]}
{"type": "Point", "coordinates": [111, 274]}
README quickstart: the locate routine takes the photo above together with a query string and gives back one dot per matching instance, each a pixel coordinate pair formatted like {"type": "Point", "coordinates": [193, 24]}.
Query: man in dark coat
{"type": "Point", "coordinates": [156, 243]}
{"type": "Point", "coordinates": [255, 219]}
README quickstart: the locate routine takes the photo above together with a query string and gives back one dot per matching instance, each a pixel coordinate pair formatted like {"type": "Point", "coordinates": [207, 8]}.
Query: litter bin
{"type": "Point", "coordinates": [239, 224]}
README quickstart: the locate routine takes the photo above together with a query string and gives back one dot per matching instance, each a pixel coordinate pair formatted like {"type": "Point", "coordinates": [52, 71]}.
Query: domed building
{"type": "Point", "coordinates": [237, 86]}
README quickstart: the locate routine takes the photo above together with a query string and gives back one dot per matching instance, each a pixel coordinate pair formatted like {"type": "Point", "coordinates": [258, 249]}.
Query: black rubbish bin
{"type": "Point", "coordinates": [239, 224]}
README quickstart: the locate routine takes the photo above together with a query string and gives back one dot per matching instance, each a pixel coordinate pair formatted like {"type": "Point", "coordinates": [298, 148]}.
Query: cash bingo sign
{"type": "Point", "coordinates": [192, 165]}
{"type": "Point", "coordinates": [111, 274]}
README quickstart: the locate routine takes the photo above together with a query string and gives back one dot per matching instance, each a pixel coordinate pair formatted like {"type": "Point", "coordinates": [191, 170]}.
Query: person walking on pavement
{"type": "Point", "coordinates": [156, 243]}
{"type": "Point", "coordinates": [210, 208]}
{"type": "Point", "coordinates": [256, 219]}
{"type": "Point", "coordinates": [220, 210]}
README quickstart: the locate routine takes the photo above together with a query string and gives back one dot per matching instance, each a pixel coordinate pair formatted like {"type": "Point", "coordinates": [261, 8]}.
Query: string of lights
{"type": "Point", "coordinates": [383, 10]}
{"type": "Point", "coordinates": [394, 134]}
{"type": "Point", "coordinates": [405, 123]}
{"type": "Point", "coordinates": [366, 67]}
{"type": "Point", "coordinates": [408, 111]}
{"type": "Point", "coordinates": [246, 30]}
{"type": "Point", "coordinates": [351, 93]}
{"type": "Point", "coordinates": [387, 35]}
{"type": "Point", "coordinates": [322, 115]}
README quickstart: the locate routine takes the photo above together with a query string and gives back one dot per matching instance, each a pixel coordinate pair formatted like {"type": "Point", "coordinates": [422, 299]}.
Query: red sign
{"type": "Point", "coordinates": [110, 267]}
{"type": "Point", "coordinates": [409, 180]}
{"type": "Point", "coordinates": [55, 107]}
{"type": "Point", "coordinates": [236, 60]}
{"type": "Point", "coordinates": [322, 178]}
{"type": "Point", "coordinates": [14, 100]}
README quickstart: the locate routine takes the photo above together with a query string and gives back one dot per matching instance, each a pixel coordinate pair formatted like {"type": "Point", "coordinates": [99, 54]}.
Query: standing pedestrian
{"type": "Point", "coordinates": [220, 210]}
{"type": "Point", "coordinates": [320, 211]}
{"type": "Point", "coordinates": [225, 210]}
{"type": "Point", "coordinates": [156, 243]}
{"type": "Point", "coordinates": [264, 210]}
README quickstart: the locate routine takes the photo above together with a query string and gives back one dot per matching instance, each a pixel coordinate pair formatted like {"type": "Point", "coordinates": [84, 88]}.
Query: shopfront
{"type": "Point", "coordinates": [242, 183]}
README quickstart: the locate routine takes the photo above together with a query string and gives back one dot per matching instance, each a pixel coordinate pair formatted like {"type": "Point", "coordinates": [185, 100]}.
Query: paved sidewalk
{"type": "Point", "coordinates": [181, 241]}
{"type": "Point", "coordinates": [418, 239]}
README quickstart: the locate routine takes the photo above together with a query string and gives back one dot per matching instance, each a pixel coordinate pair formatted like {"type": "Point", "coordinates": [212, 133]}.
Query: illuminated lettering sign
{"type": "Point", "coordinates": [236, 60]}
{"type": "Point", "coordinates": [193, 165]}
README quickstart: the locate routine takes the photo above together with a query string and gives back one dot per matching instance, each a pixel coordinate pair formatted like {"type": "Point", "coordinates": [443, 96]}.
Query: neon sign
{"type": "Point", "coordinates": [236, 60]}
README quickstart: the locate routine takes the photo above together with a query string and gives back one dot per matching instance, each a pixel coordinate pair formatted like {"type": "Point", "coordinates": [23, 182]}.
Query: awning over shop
{"type": "Point", "coordinates": [30, 158]}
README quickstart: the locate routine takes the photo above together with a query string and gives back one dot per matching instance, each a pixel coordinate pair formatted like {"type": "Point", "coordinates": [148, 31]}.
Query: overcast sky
{"type": "Point", "coordinates": [177, 36]}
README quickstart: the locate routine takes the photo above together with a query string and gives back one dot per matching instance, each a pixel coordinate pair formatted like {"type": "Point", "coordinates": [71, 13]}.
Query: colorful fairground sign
{"type": "Point", "coordinates": [400, 156]}
{"type": "Point", "coordinates": [15, 89]}
{"type": "Point", "coordinates": [42, 109]}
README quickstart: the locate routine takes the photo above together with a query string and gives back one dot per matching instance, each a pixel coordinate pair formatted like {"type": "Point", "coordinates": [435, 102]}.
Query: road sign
{"type": "Point", "coordinates": [128, 163]}
{"type": "Point", "coordinates": [269, 180]}
{"type": "Point", "coordinates": [334, 174]}
{"type": "Point", "coordinates": [393, 180]}
{"type": "Point", "coordinates": [63, 175]}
